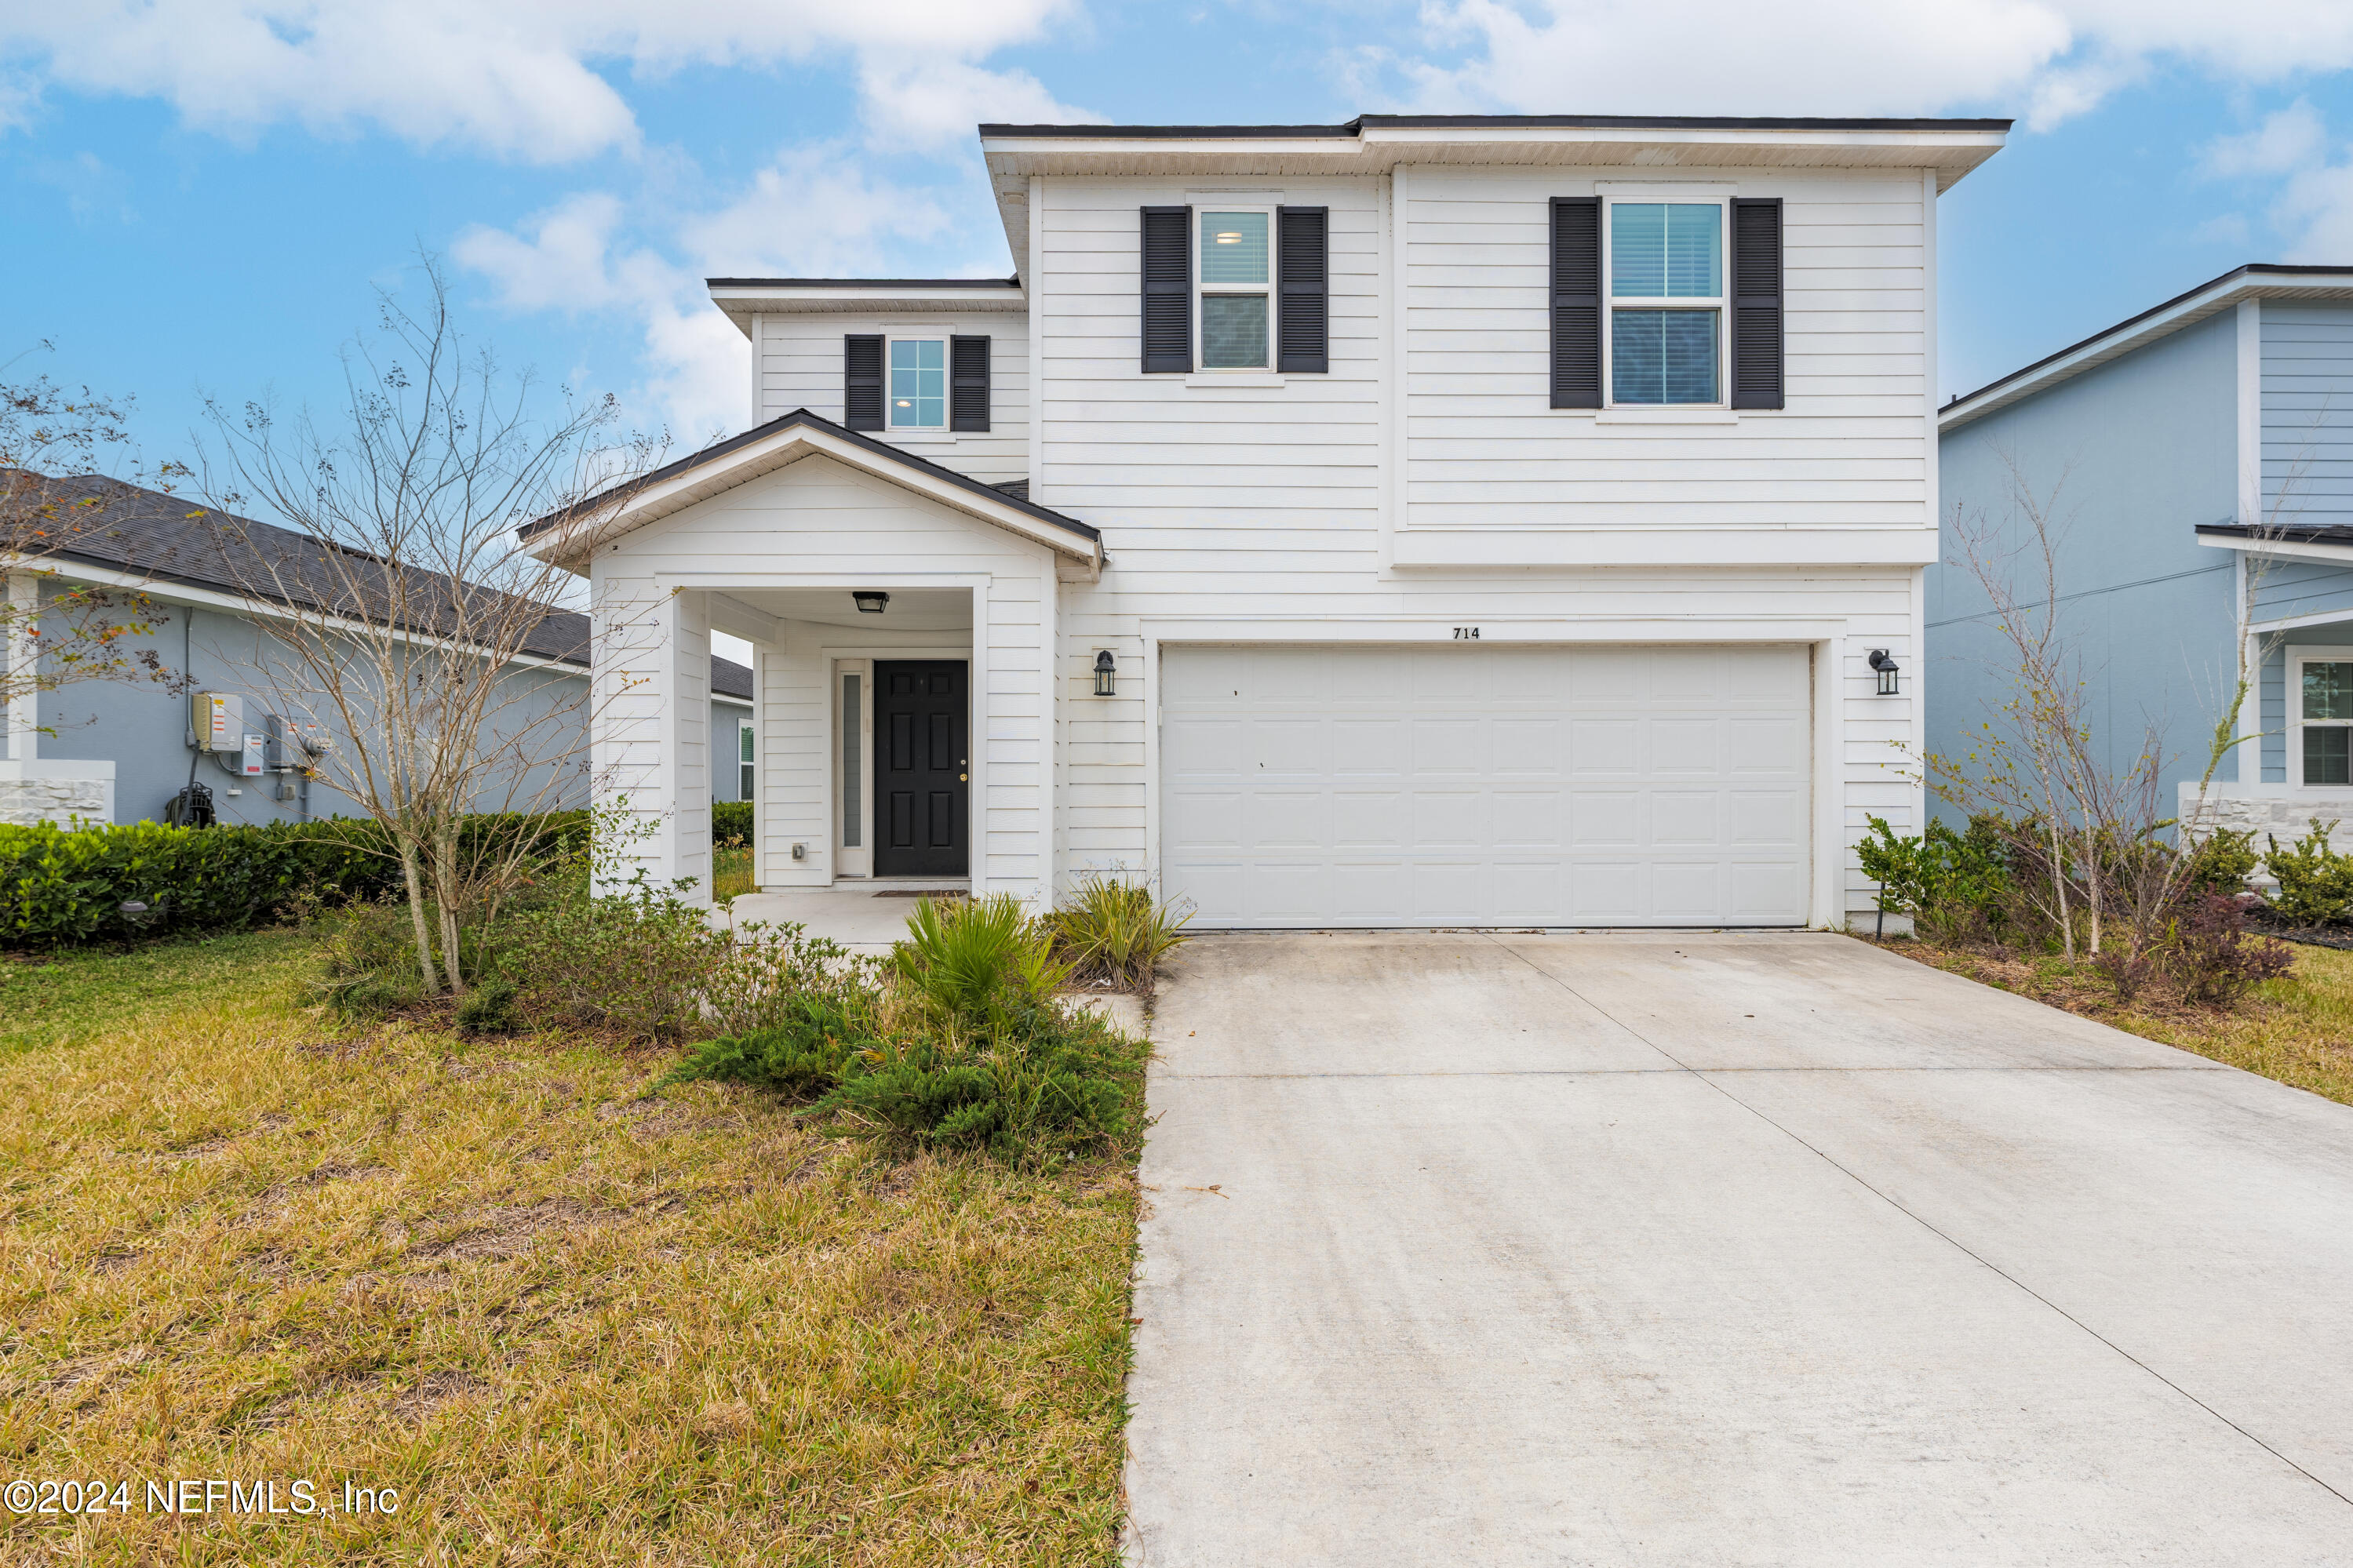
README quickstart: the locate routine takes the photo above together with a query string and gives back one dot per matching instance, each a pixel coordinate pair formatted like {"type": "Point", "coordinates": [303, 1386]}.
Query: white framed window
{"type": "Point", "coordinates": [743, 752]}
{"type": "Point", "coordinates": [1233, 290]}
{"type": "Point", "coordinates": [2320, 704]}
{"type": "Point", "coordinates": [915, 383]}
{"type": "Point", "coordinates": [1663, 332]}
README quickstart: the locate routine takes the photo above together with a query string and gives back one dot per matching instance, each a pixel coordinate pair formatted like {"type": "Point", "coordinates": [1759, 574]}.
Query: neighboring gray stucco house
{"type": "Point", "coordinates": [2200, 460]}
{"type": "Point", "coordinates": [118, 752]}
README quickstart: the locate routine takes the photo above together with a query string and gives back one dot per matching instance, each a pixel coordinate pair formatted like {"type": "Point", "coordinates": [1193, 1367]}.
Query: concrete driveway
{"type": "Point", "coordinates": [1701, 1249]}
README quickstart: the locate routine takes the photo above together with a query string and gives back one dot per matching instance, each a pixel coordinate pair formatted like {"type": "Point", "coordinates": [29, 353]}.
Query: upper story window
{"type": "Point", "coordinates": [1235, 288]}
{"type": "Point", "coordinates": [1236, 285]}
{"type": "Point", "coordinates": [1663, 303]}
{"type": "Point", "coordinates": [1666, 302]}
{"type": "Point", "coordinates": [918, 393]}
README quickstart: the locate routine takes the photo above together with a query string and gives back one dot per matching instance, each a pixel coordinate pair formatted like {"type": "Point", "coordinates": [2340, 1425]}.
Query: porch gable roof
{"type": "Point", "coordinates": [763, 449]}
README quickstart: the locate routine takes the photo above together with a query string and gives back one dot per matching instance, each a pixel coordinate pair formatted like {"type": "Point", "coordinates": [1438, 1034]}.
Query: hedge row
{"type": "Point", "coordinates": [730, 819]}
{"type": "Point", "coordinates": [59, 887]}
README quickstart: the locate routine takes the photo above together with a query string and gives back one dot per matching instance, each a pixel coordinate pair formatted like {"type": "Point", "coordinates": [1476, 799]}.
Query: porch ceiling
{"type": "Point", "coordinates": [910, 610]}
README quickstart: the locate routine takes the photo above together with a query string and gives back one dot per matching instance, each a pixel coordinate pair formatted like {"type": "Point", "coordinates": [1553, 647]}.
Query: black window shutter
{"type": "Point", "coordinates": [967, 383]}
{"type": "Point", "coordinates": [1756, 303]}
{"type": "Point", "coordinates": [1303, 331]}
{"type": "Point", "coordinates": [1167, 290]}
{"type": "Point", "coordinates": [861, 382]}
{"type": "Point", "coordinates": [1577, 302]}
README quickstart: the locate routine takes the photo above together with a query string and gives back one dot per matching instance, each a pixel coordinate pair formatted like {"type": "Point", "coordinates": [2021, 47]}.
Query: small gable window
{"type": "Point", "coordinates": [917, 395]}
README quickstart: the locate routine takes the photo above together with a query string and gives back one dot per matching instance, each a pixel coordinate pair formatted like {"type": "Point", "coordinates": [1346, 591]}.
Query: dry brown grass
{"type": "Point", "coordinates": [570, 1325]}
{"type": "Point", "coordinates": [2298, 1029]}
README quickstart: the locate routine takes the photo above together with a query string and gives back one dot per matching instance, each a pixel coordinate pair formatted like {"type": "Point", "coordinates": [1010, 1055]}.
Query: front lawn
{"type": "Point", "coordinates": [2298, 1029]}
{"type": "Point", "coordinates": [567, 1323]}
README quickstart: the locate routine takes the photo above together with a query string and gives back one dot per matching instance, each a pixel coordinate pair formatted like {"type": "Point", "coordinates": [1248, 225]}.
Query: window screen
{"type": "Point", "coordinates": [1666, 294]}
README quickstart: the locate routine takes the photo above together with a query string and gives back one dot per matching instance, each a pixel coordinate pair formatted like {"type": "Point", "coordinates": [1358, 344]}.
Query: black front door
{"type": "Point", "coordinates": [922, 793]}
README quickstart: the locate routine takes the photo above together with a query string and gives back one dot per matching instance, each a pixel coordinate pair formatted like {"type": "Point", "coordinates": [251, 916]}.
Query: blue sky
{"type": "Point", "coordinates": [204, 193]}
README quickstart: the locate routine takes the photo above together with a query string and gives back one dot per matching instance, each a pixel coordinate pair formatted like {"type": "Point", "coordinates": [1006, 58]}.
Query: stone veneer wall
{"type": "Point", "coordinates": [25, 801]}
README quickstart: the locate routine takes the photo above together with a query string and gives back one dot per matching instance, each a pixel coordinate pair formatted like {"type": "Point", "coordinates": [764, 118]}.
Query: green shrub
{"type": "Point", "coordinates": [2222, 861]}
{"type": "Point", "coordinates": [958, 1042]}
{"type": "Point", "coordinates": [2315, 882]}
{"type": "Point", "coordinates": [1114, 932]}
{"type": "Point", "coordinates": [969, 959]}
{"type": "Point", "coordinates": [803, 1052]}
{"type": "Point", "coordinates": [60, 887]}
{"type": "Point", "coordinates": [730, 819]}
{"type": "Point", "coordinates": [488, 1008]}
{"type": "Point", "coordinates": [1955, 885]}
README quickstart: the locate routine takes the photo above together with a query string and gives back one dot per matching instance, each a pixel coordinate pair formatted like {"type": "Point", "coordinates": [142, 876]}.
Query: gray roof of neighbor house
{"type": "Point", "coordinates": [164, 538]}
{"type": "Point", "coordinates": [2256, 280]}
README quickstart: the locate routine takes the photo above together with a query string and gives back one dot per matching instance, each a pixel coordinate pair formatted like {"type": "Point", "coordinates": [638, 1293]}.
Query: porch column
{"type": "Point", "coordinates": [23, 667]}
{"type": "Point", "coordinates": [686, 742]}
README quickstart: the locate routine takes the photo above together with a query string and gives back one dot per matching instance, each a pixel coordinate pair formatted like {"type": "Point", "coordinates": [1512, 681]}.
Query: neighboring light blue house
{"type": "Point", "coordinates": [103, 752]}
{"type": "Point", "coordinates": [2198, 458]}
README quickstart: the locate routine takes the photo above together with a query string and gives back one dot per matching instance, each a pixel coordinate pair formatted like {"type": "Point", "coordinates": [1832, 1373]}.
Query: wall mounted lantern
{"type": "Point", "coordinates": [1106, 672]}
{"type": "Point", "coordinates": [870, 601]}
{"type": "Point", "coordinates": [1887, 669]}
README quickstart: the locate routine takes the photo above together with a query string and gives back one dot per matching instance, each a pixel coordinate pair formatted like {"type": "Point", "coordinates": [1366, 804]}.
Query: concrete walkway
{"type": "Point", "coordinates": [1695, 1249]}
{"type": "Point", "coordinates": [863, 917]}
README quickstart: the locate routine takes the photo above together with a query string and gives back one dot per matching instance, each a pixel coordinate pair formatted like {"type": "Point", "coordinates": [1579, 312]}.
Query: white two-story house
{"type": "Point", "coordinates": [1449, 521]}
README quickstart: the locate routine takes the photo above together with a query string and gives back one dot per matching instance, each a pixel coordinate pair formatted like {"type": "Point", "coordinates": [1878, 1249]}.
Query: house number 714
{"type": "Point", "coordinates": [1466, 634]}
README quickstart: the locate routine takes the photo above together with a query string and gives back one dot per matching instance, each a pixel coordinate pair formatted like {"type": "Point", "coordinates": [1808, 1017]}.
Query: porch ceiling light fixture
{"type": "Point", "coordinates": [1887, 669]}
{"type": "Point", "coordinates": [870, 601]}
{"type": "Point", "coordinates": [1106, 673]}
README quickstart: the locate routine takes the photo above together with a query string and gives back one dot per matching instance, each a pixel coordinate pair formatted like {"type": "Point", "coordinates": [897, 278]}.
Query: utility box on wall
{"type": "Point", "coordinates": [217, 720]}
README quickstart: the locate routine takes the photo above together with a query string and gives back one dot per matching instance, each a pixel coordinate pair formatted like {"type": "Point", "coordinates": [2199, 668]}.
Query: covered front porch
{"type": "Point", "coordinates": [2297, 765]}
{"type": "Point", "coordinates": [903, 626]}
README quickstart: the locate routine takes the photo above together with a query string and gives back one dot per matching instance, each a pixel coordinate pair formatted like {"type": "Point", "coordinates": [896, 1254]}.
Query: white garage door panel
{"type": "Point", "coordinates": [1307, 786]}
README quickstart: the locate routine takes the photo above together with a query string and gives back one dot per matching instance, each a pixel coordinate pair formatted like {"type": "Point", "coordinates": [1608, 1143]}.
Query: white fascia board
{"type": "Point", "coordinates": [2286, 549]}
{"type": "Point", "coordinates": [742, 304]}
{"type": "Point", "coordinates": [1796, 139]}
{"type": "Point", "coordinates": [786, 446]}
{"type": "Point", "coordinates": [1439, 548]}
{"type": "Point", "coordinates": [1337, 148]}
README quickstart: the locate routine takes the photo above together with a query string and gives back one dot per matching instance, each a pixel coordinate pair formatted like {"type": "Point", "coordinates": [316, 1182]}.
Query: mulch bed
{"type": "Point", "coordinates": [2261, 917]}
{"type": "Point", "coordinates": [2088, 994]}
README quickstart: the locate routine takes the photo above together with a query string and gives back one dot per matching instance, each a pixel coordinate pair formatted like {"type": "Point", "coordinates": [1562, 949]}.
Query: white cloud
{"type": "Point", "coordinates": [512, 78]}
{"type": "Point", "coordinates": [2051, 60]}
{"type": "Point", "coordinates": [2287, 140]}
{"type": "Point", "coordinates": [932, 103]}
{"type": "Point", "coordinates": [2310, 179]}
{"type": "Point", "coordinates": [813, 211]}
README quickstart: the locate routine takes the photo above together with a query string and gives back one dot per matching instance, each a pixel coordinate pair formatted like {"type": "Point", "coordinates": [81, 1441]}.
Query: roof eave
{"type": "Point", "coordinates": [742, 298]}
{"type": "Point", "coordinates": [781, 442]}
{"type": "Point", "coordinates": [2254, 281]}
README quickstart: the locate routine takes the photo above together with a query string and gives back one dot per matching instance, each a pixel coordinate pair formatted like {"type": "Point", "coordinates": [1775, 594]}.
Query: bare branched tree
{"type": "Point", "coordinates": [399, 614]}
{"type": "Point", "coordinates": [53, 445]}
{"type": "Point", "coordinates": [2097, 859]}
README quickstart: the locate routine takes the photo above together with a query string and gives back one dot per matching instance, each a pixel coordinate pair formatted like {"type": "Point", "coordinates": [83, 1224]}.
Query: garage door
{"type": "Point", "coordinates": [1485, 785]}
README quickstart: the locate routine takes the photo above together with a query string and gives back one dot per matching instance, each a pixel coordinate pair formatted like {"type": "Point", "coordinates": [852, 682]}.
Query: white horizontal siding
{"type": "Point", "coordinates": [801, 367]}
{"type": "Point", "coordinates": [1849, 447]}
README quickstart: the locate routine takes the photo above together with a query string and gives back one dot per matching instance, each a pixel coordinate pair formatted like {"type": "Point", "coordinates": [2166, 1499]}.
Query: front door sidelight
{"type": "Point", "coordinates": [923, 773]}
